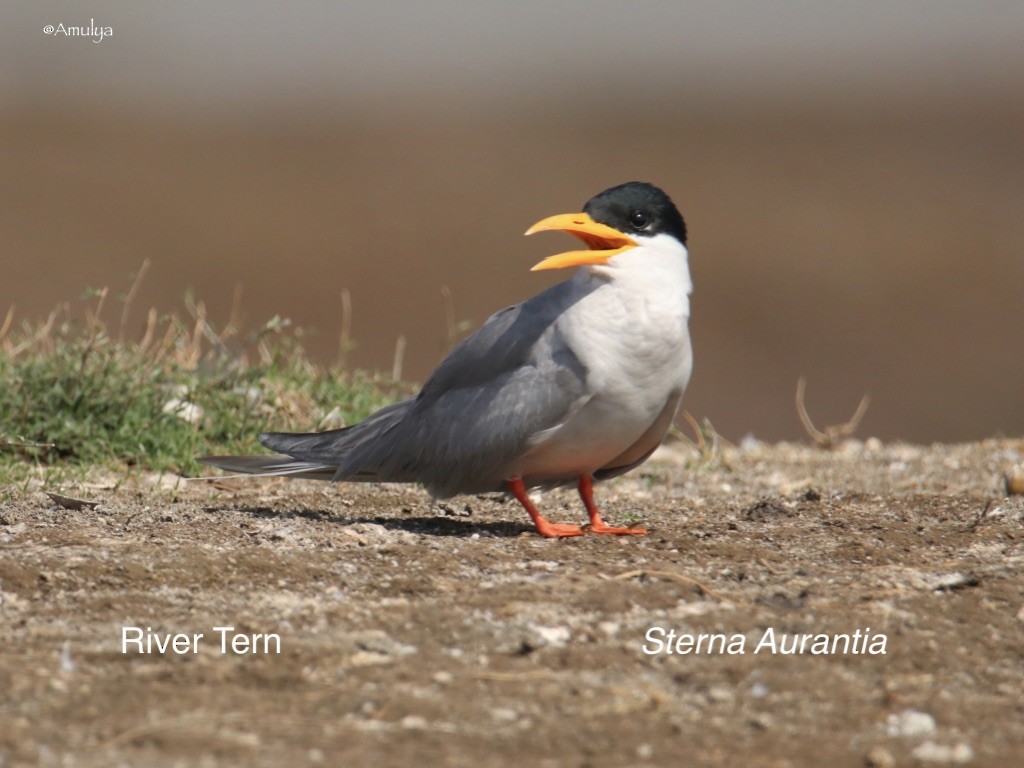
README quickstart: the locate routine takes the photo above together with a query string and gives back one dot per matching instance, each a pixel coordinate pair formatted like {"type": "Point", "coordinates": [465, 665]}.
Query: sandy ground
{"type": "Point", "coordinates": [413, 634]}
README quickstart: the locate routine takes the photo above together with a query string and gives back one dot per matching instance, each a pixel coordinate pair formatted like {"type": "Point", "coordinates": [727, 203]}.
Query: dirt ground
{"type": "Point", "coordinates": [416, 634]}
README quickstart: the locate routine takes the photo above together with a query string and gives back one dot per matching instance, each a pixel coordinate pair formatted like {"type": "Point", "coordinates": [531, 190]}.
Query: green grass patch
{"type": "Point", "coordinates": [74, 393]}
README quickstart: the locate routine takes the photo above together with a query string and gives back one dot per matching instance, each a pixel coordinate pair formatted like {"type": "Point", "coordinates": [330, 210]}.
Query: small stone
{"type": "Point", "coordinates": [541, 565]}
{"type": "Point", "coordinates": [948, 582]}
{"type": "Point", "coordinates": [67, 665]}
{"type": "Point", "coordinates": [720, 693]}
{"type": "Point", "coordinates": [880, 757]}
{"type": "Point", "coordinates": [1014, 482]}
{"type": "Point", "coordinates": [414, 723]}
{"type": "Point", "coordinates": [851, 448]}
{"type": "Point", "coordinates": [1020, 614]}
{"type": "Point", "coordinates": [250, 740]}
{"type": "Point", "coordinates": [933, 752]}
{"type": "Point", "coordinates": [377, 641]}
{"type": "Point", "coordinates": [552, 637]}
{"type": "Point", "coordinates": [645, 751]}
{"type": "Point", "coordinates": [766, 509]}
{"type": "Point", "coordinates": [184, 410]}
{"type": "Point", "coordinates": [443, 678]}
{"type": "Point", "coordinates": [372, 531]}
{"type": "Point", "coordinates": [367, 708]}
{"type": "Point", "coordinates": [450, 510]}
{"type": "Point", "coordinates": [910, 723]}
{"type": "Point", "coordinates": [750, 443]}
{"type": "Point", "coordinates": [504, 715]}
{"type": "Point", "coordinates": [369, 659]}
{"type": "Point", "coordinates": [758, 691]}
{"type": "Point", "coordinates": [612, 628]}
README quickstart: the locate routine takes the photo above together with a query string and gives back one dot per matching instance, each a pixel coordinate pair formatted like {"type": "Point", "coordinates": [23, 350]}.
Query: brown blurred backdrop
{"type": "Point", "coordinates": [853, 181]}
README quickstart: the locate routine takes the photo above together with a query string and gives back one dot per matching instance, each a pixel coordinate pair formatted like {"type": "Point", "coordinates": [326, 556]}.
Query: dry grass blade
{"type": "Point", "coordinates": [396, 366]}
{"type": "Point", "coordinates": [194, 345]}
{"type": "Point", "coordinates": [700, 443]}
{"type": "Point", "coordinates": [673, 576]}
{"type": "Point", "coordinates": [130, 298]}
{"type": "Point", "coordinates": [147, 336]}
{"type": "Point", "coordinates": [7, 323]}
{"type": "Point", "coordinates": [832, 435]}
{"type": "Point", "coordinates": [706, 441]}
{"type": "Point", "coordinates": [345, 342]}
{"type": "Point", "coordinates": [23, 444]}
{"type": "Point", "coordinates": [92, 319]}
{"type": "Point", "coordinates": [39, 337]}
{"type": "Point", "coordinates": [235, 318]}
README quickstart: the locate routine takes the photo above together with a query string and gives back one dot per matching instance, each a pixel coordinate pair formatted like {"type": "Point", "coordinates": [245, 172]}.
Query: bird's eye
{"type": "Point", "coordinates": [639, 219]}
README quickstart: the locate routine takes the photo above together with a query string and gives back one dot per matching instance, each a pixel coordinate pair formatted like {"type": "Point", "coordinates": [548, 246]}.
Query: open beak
{"type": "Point", "coordinates": [602, 241]}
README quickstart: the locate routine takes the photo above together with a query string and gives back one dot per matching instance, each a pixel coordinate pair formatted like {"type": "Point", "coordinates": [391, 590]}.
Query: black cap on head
{"type": "Point", "coordinates": [636, 208]}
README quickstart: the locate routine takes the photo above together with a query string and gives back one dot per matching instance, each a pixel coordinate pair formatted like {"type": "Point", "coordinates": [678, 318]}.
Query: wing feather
{"type": "Point", "coordinates": [516, 376]}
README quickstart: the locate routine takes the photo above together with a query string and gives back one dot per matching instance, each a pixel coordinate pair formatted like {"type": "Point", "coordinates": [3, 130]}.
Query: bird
{"type": "Point", "coordinates": [575, 385]}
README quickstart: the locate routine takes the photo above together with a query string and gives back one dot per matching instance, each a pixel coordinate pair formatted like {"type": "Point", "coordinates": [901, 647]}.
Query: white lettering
{"type": "Point", "coordinates": [242, 643]}
{"type": "Point", "coordinates": [148, 641]}
{"type": "Point", "coordinates": [125, 639]}
{"type": "Point", "coordinates": [652, 637]}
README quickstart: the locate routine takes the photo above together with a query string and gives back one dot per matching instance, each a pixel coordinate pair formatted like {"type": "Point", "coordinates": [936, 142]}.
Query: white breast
{"type": "Point", "coordinates": [630, 332]}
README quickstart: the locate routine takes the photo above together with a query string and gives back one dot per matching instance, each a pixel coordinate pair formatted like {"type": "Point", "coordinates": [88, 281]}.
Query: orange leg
{"type": "Point", "coordinates": [544, 527]}
{"type": "Point", "coordinates": [597, 525]}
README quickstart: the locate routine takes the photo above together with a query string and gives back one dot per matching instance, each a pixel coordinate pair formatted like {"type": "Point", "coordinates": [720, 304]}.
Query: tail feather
{"type": "Point", "coordinates": [271, 466]}
{"type": "Point", "coordinates": [318, 455]}
{"type": "Point", "coordinates": [339, 446]}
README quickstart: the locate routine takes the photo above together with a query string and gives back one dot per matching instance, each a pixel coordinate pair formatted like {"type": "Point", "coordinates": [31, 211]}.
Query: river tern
{"type": "Point", "coordinates": [577, 384]}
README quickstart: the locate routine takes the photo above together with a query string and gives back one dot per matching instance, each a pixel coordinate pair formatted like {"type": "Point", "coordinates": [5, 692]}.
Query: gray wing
{"type": "Point", "coordinates": [514, 377]}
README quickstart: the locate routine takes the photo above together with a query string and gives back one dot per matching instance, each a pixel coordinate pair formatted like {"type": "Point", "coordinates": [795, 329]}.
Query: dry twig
{"type": "Point", "coordinates": [832, 435]}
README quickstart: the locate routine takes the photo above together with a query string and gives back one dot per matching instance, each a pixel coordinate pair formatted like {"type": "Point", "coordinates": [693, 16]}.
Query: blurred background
{"type": "Point", "coordinates": [852, 175]}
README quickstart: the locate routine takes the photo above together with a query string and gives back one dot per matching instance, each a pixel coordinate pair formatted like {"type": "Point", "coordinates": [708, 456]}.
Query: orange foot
{"type": "Point", "coordinates": [597, 525]}
{"type": "Point", "coordinates": [542, 524]}
{"type": "Point", "coordinates": [557, 530]}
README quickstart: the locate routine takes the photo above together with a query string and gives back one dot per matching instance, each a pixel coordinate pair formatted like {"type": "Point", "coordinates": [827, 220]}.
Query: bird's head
{"type": "Point", "coordinates": [613, 222]}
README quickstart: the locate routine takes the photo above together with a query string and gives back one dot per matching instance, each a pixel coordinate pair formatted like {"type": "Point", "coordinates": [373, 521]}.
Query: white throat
{"type": "Point", "coordinates": [658, 267]}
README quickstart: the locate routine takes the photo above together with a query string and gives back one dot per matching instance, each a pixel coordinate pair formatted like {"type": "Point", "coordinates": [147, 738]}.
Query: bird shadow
{"type": "Point", "coordinates": [449, 527]}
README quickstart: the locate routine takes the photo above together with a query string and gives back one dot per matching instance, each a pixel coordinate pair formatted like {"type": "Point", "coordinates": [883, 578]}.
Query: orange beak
{"type": "Point", "coordinates": [603, 241]}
